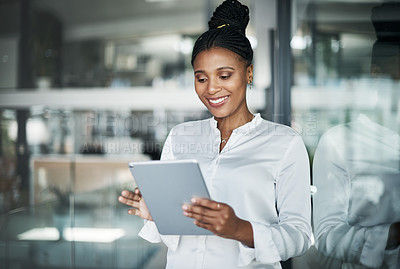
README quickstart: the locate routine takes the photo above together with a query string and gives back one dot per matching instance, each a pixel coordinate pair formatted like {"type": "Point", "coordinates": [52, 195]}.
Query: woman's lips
{"type": "Point", "coordinates": [219, 101]}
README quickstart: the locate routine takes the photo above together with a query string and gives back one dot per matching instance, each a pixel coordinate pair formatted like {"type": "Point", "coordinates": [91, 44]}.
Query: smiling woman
{"type": "Point", "coordinates": [256, 171]}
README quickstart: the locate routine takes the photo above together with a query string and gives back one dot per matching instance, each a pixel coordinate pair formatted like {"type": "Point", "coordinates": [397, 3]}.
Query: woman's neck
{"type": "Point", "coordinates": [227, 124]}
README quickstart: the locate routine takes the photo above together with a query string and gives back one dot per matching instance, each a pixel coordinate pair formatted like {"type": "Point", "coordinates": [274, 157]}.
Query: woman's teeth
{"type": "Point", "coordinates": [219, 100]}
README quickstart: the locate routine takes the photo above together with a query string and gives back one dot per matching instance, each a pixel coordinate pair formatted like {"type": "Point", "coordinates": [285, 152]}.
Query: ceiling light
{"type": "Point", "coordinates": [40, 234]}
{"type": "Point", "coordinates": [98, 235]}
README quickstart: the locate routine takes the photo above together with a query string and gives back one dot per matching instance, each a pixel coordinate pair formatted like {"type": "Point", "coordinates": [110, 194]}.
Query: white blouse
{"type": "Point", "coordinates": [263, 174]}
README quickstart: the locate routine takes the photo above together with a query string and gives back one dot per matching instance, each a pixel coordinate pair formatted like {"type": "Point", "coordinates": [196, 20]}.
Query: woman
{"type": "Point", "coordinates": [256, 171]}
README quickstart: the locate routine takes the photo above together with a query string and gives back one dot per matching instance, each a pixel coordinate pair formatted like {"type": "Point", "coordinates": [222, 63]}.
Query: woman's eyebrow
{"type": "Point", "coordinates": [218, 69]}
{"type": "Point", "coordinates": [225, 67]}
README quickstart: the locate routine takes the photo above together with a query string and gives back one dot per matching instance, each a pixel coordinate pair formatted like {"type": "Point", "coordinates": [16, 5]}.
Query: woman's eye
{"type": "Point", "coordinates": [201, 80]}
{"type": "Point", "coordinates": [224, 77]}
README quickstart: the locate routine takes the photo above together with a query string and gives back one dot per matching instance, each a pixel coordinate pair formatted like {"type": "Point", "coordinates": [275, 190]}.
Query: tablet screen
{"type": "Point", "coordinates": [165, 187]}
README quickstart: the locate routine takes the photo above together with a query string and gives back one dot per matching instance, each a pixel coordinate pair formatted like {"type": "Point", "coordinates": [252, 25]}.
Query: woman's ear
{"type": "Point", "coordinates": [250, 74]}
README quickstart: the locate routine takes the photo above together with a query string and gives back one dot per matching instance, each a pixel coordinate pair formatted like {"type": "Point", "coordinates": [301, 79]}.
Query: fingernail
{"type": "Point", "coordinates": [193, 200]}
{"type": "Point", "coordinates": [184, 207]}
{"type": "Point", "coordinates": [185, 213]}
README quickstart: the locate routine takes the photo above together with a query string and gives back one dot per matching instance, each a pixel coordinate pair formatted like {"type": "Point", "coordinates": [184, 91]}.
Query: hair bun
{"type": "Point", "coordinates": [230, 13]}
{"type": "Point", "coordinates": [386, 21]}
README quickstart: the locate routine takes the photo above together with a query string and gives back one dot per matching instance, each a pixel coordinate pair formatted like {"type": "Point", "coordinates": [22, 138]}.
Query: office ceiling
{"type": "Point", "coordinates": [96, 18]}
{"type": "Point", "coordinates": [78, 12]}
{"type": "Point", "coordinates": [119, 18]}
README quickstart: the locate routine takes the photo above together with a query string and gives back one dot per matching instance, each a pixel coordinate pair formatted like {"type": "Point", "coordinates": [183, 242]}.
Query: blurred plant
{"type": "Point", "coordinates": [62, 196]}
{"type": "Point", "coordinates": [7, 147]}
{"type": "Point", "coordinates": [9, 185]}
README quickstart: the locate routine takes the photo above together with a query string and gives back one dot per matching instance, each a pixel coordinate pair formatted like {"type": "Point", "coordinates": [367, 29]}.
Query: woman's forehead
{"type": "Point", "coordinates": [216, 57]}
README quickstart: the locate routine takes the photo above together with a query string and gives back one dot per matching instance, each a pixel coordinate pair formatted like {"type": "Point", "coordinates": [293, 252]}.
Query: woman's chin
{"type": "Point", "coordinates": [218, 114]}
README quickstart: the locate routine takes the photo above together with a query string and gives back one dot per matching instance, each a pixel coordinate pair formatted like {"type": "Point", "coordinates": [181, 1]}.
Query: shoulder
{"type": "Point", "coordinates": [276, 129]}
{"type": "Point", "coordinates": [279, 138]}
{"type": "Point", "coordinates": [336, 135]}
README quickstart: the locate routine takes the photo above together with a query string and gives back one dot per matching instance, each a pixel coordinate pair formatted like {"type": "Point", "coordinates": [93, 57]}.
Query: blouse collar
{"type": "Point", "coordinates": [249, 126]}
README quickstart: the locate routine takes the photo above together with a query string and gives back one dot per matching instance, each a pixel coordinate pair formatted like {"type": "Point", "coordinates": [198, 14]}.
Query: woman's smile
{"type": "Point", "coordinates": [218, 101]}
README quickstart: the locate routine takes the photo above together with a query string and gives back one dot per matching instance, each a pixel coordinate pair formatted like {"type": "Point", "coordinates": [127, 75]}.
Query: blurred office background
{"type": "Point", "coordinates": [86, 86]}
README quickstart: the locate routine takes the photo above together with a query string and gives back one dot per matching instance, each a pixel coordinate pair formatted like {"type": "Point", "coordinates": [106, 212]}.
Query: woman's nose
{"type": "Point", "coordinates": [213, 86]}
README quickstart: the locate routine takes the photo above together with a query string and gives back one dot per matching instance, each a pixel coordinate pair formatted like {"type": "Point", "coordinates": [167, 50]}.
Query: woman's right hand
{"type": "Point", "coordinates": [135, 200]}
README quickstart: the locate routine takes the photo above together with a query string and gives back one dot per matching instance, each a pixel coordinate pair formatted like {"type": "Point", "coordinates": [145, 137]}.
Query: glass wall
{"type": "Point", "coordinates": [87, 86]}
{"type": "Point", "coordinates": [345, 103]}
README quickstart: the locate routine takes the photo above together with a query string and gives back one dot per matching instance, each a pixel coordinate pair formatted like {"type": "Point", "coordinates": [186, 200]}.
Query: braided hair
{"type": "Point", "coordinates": [227, 29]}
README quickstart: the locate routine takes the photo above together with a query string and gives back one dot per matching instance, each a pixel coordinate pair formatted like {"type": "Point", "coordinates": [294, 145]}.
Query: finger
{"type": "Point", "coordinates": [123, 200]}
{"type": "Point", "coordinates": [127, 194]}
{"type": "Point", "coordinates": [204, 225]}
{"type": "Point", "coordinates": [198, 212]}
{"type": "Point", "coordinates": [132, 196]}
{"type": "Point", "coordinates": [137, 191]}
{"type": "Point", "coordinates": [138, 194]}
{"type": "Point", "coordinates": [207, 203]}
{"type": "Point", "coordinates": [134, 211]}
{"type": "Point", "coordinates": [201, 218]}
{"type": "Point", "coordinates": [129, 202]}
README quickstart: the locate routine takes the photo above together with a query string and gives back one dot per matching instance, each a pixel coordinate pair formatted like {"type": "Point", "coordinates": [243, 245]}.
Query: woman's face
{"type": "Point", "coordinates": [221, 79]}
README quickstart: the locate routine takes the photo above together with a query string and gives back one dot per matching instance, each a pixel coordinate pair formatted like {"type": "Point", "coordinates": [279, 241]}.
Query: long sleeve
{"type": "Point", "coordinates": [334, 236]}
{"type": "Point", "coordinates": [291, 235]}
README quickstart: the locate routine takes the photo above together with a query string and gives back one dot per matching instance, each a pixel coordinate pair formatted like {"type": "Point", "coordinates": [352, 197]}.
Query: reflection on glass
{"type": "Point", "coordinates": [356, 169]}
{"type": "Point", "coordinates": [356, 172]}
{"type": "Point", "coordinates": [9, 181]}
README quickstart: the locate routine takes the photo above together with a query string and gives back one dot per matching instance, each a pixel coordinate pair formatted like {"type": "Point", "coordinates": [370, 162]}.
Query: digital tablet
{"type": "Point", "coordinates": [165, 187]}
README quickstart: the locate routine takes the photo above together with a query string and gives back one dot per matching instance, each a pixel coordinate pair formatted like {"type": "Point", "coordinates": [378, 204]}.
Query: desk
{"type": "Point", "coordinates": [55, 175]}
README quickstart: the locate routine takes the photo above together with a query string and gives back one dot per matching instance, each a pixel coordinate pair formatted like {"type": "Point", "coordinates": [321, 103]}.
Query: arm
{"type": "Point", "coordinates": [291, 235]}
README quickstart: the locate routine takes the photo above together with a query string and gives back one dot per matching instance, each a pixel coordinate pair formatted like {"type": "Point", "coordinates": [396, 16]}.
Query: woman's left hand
{"type": "Point", "coordinates": [220, 219]}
